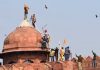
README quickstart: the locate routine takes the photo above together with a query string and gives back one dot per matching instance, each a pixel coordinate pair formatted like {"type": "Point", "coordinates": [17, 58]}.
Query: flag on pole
{"type": "Point", "coordinates": [65, 42]}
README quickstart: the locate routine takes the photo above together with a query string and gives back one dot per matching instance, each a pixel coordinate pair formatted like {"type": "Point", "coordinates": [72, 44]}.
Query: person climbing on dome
{"type": "Point", "coordinates": [33, 18]}
{"type": "Point", "coordinates": [45, 39]}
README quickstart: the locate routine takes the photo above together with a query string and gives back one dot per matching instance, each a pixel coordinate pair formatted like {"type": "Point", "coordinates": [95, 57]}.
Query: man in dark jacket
{"type": "Point", "coordinates": [67, 53]}
{"type": "Point", "coordinates": [94, 59]}
{"type": "Point", "coordinates": [56, 53]}
{"type": "Point", "coordinates": [80, 60]}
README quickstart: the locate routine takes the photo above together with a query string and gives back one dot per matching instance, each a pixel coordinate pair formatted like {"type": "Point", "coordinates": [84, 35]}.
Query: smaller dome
{"type": "Point", "coordinates": [24, 38]}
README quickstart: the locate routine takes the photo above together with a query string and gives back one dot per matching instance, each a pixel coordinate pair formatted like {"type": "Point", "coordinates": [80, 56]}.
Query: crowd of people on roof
{"type": "Point", "coordinates": [64, 54]}
{"type": "Point", "coordinates": [60, 54]}
{"type": "Point", "coordinates": [57, 54]}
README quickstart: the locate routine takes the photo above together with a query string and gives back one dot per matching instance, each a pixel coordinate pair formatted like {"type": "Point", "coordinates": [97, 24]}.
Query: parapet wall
{"type": "Point", "coordinates": [60, 65]}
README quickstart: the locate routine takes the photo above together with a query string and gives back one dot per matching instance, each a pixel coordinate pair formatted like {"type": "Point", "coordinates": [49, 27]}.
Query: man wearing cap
{"type": "Point", "coordinates": [67, 53]}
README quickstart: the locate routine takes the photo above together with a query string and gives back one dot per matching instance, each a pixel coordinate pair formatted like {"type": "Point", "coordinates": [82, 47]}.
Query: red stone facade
{"type": "Point", "coordinates": [22, 51]}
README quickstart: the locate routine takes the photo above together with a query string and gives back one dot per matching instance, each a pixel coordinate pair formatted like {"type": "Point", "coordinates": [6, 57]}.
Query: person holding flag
{"type": "Point", "coordinates": [67, 50]}
{"type": "Point", "coordinates": [65, 42]}
{"type": "Point", "coordinates": [61, 54]}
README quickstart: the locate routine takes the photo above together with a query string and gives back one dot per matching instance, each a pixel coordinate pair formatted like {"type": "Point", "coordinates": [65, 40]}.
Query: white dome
{"type": "Point", "coordinates": [25, 23]}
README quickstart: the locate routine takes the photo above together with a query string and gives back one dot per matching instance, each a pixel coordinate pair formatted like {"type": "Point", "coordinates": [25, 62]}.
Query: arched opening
{"type": "Point", "coordinates": [28, 61]}
{"type": "Point", "coordinates": [43, 61]}
{"type": "Point", "coordinates": [11, 62]}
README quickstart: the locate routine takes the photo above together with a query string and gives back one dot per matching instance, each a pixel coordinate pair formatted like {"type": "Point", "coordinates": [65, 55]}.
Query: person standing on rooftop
{"type": "Point", "coordinates": [94, 64]}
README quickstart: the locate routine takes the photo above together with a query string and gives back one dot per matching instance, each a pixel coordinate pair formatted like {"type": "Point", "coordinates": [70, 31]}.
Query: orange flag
{"type": "Point", "coordinates": [65, 42]}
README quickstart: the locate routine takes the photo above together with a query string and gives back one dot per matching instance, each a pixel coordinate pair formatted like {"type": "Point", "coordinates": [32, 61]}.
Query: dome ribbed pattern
{"type": "Point", "coordinates": [22, 39]}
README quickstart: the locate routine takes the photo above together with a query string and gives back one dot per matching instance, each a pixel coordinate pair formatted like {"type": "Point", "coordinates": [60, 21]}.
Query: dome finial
{"type": "Point", "coordinates": [26, 8]}
{"type": "Point", "coordinates": [25, 22]}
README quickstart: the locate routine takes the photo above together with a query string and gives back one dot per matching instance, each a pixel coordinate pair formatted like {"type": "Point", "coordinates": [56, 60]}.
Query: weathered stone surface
{"type": "Point", "coordinates": [22, 39]}
{"type": "Point", "coordinates": [65, 65]}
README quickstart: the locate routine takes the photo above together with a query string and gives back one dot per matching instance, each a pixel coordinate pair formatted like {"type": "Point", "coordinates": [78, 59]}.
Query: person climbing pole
{"type": "Point", "coordinates": [26, 8]}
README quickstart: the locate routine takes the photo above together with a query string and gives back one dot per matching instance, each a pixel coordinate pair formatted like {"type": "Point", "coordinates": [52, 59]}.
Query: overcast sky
{"type": "Point", "coordinates": [71, 19]}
